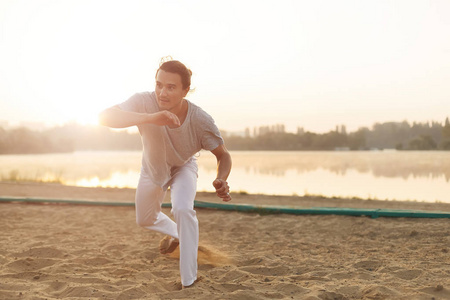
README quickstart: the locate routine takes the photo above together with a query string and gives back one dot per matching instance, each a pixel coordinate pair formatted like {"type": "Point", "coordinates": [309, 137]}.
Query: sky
{"type": "Point", "coordinates": [310, 64]}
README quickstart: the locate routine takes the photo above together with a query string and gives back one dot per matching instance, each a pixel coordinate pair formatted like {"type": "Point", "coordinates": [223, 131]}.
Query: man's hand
{"type": "Point", "coordinates": [223, 170]}
{"type": "Point", "coordinates": [222, 189]}
{"type": "Point", "coordinates": [165, 117]}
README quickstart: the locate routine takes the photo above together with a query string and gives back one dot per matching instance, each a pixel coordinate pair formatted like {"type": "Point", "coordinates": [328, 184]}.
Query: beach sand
{"type": "Point", "coordinates": [50, 251]}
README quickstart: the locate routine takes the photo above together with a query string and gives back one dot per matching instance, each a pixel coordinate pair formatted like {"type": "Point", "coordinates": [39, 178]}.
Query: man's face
{"type": "Point", "coordinates": [169, 90]}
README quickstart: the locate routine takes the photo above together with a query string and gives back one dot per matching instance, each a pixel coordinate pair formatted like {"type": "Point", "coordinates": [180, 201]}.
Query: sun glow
{"type": "Point", "coordinates": [313, 64]}
{"type": "Point", "coordinates": [86, 118]}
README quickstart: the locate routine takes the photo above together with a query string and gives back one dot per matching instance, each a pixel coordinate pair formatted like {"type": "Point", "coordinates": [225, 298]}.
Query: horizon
{"type": "Point", "coordinates": [315, 65]}
{"type": "Point", "coordinates": [42, 126]}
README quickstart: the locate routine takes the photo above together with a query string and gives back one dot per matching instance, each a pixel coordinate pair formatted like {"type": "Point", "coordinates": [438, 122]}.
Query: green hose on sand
{"type": "Point", "coordinates": [260, 209]}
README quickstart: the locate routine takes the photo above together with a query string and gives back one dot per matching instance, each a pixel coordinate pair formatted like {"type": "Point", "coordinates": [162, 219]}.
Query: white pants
{"type": "Point", "coordinates": [149, 198]}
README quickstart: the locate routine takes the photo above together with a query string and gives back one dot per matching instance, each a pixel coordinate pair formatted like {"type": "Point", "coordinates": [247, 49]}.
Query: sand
{"type": "Point", "coordinates": [53, 251]}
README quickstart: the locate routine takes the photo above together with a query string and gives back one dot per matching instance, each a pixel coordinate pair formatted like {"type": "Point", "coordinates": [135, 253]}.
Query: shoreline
{"type": "Point", "coordinates": [60, 191]}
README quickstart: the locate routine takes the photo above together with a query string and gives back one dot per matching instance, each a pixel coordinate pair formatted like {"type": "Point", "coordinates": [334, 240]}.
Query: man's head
{"type": "Point", "coordinates": [173, 81]}
{"type": "Point", "coordinates": [174, 66]}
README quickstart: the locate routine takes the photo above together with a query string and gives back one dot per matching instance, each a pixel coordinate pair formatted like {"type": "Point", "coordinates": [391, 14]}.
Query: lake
{"type": "Point", "coordinates": [384, 175]}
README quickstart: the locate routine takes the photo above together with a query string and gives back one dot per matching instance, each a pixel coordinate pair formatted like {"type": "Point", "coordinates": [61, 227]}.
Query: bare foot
{"type": "Point", "coordinates": [168, 244]}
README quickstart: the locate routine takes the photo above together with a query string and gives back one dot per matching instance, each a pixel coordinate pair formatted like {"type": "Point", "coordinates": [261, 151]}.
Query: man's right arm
{"type": "Point", "coordinates": [115, 117]}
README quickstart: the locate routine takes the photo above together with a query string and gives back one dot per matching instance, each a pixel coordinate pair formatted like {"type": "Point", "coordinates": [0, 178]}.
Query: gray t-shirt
{"type": "Point", "coordinates": [166, 148]}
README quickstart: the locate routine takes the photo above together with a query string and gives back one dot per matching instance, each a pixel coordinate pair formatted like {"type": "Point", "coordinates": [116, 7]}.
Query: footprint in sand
{"type": "Point", "coordinates": [30, 264]}
{"type": "Point", "coordinates": [369, 265]}
{"type": "Point", "coordinates": [408, 274]}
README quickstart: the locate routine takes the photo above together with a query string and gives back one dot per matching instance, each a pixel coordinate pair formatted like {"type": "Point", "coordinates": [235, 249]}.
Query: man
{"type": "Point", "coordinates": [173, 130]}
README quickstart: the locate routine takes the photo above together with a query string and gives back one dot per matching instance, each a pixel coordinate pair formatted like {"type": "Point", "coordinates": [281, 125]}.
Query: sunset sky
{"type": "Point", "coordinates": [313, 64]}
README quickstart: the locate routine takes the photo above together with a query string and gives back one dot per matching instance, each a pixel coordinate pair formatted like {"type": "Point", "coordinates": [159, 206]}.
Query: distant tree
{"type": "Point", "coordinates": [357, 140]}
{"type": "Point", "coordinates": [388, 135]}
{"type": "Point", "coordinates": [307, 140]}
{"type": "Point", "coordinates": [330, 141]}
{"type": "Point", "coordinates": [445, 145]}
{"type": "Point", "coordinates": [446, 129]}
{"type": "Point", "coordinates": [247, 132]}
{"type": "Point", "coordinates": [25, 141]}
{"type": "Point", "coordinates": [277, 141]}
{"type": "Point", "coordinates": [445, 134]}
{"type": "Point", "coordinates": [424, 142]}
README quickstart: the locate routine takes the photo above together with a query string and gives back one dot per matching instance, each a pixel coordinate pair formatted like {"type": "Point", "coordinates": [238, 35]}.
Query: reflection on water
{"type": "Point", "coordinates": [378, 164]}
{"type": "Point", "coordinates": [423, 176]}
{"type": "Point", "coordinates": [79, 168]}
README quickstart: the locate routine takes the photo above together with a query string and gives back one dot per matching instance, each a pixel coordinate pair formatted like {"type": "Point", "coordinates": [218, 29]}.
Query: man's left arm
{"type": "Point", "coordinates": [223, 170]}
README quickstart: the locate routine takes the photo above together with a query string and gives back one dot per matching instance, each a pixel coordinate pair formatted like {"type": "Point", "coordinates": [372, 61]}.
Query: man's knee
{"type": "Point", "coordinates": [145, 221]}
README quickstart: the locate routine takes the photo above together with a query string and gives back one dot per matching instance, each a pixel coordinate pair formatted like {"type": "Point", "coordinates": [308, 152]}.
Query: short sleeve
{"type": "Point", "coordinates": [211, 138]}
{"type": "Point", "coordinates": [135, 104]}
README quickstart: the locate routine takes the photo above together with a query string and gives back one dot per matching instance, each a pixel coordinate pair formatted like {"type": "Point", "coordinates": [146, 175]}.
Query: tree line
{"type": "Point", "coordinates": [389, 135]}
{"type": "Point", "coordinates": [67, 138]}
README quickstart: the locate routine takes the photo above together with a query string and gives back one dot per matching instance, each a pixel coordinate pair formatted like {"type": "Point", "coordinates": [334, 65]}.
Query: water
{"type": "Point", "coordinates": [420, 176]}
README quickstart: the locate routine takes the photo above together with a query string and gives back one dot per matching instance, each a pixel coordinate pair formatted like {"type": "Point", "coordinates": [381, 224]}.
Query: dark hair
{"type": "Point", "coordinates": [174, 66]}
